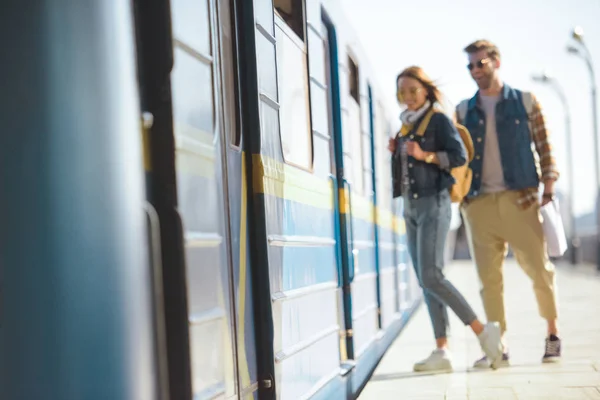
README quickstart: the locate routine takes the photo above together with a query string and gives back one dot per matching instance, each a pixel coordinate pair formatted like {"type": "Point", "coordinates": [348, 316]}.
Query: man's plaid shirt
{"type": "Point", "coordinates": [544, 157]}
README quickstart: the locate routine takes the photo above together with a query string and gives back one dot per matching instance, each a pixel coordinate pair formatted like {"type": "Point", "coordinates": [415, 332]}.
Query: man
{"type": "Point", "coordinates": [502, 207]}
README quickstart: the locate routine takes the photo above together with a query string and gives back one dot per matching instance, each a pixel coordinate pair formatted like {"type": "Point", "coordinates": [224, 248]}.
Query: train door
{"type": "Point", "coordinates": [342, 223]}
{"type": "Point", "coordinates": [358, 172]}
{"type": "Point", "coordinates": [236, 202]}
{"type": "Point", "coordinates": [354, 176]}
{"type": "Point", "coordinates": [389, 276]}
{"type": "Point", "coordinates": [188, 77]}
{"type": "Point", "coordinates": [385, 275]}
{"type": "Point", "coordinates": [211, 189]}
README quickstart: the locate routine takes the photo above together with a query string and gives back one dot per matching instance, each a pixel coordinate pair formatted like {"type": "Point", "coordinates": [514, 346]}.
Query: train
{"type": "Point", "coordinates": [200, 203]}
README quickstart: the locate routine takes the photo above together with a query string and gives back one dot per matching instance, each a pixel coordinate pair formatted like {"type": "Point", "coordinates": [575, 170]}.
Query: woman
{"type": "Point", "coordinates": [424, 152]}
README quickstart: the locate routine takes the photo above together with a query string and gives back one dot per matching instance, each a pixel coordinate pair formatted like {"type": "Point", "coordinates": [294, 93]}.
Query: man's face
{"type": "Point", "coordinates": [483, 68]}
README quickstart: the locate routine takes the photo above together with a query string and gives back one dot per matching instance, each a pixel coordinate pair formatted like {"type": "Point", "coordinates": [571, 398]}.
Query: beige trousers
{"type": "Point", "coordinates": [494, 221]}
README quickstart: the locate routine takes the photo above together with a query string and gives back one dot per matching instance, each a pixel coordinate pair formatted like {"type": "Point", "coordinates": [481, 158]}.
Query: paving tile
{"type": "Point", "coordinates": [499, 393]}
{"type": "Point", "coordinates": [576, 377]}
{"type": "Point", "coordinates": [562, 393]}
{"type": "Point", "coordinates": [556, 379]}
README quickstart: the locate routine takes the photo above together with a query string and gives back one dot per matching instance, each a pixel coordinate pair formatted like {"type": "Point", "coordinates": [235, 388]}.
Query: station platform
{"type": "Point", "coordinates": [576, 377]}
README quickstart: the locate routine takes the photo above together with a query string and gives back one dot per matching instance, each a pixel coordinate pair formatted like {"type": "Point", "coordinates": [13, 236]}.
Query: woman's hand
{"type": "Point", "coordinates": [392, 145]}
{"type": "Point", "coordinates": [414, 149]}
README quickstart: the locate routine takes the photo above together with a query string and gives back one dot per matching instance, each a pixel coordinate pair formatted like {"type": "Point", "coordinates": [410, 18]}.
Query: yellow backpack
{"type": "Point", "coordinates": [463, 175]}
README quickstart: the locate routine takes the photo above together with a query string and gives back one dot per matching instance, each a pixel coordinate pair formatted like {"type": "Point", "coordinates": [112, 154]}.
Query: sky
{"type": "Point", "coordinates": [532, 36]}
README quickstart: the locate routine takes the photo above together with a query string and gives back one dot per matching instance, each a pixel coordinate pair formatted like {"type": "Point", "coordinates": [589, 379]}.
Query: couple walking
{"type": "Point", "coordinates": [501, 207]}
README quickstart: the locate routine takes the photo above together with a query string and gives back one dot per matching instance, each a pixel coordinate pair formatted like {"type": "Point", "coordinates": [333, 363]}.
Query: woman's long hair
{"type": "Point", "coordinates": [434, 95]}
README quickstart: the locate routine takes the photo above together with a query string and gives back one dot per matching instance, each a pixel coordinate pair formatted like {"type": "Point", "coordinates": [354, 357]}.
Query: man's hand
{"type": "Point", "coordinates": [548, 192]}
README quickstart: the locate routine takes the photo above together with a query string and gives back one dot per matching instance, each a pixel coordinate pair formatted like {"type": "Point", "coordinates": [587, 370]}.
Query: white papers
{"type": "Point", "coordinates": [554, 230]}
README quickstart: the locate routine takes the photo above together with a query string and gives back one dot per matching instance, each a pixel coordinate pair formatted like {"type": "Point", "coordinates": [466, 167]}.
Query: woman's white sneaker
{"type": "Point", "coordinates": [438, 361]}
{"type": "Point", "coordinates": [484, 363]}
{"type": "Point", "coordinates": [491, 343]}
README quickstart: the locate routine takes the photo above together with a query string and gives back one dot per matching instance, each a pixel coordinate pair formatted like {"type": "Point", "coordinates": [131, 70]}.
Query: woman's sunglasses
{"type": "Point", "coordinates": [412, 92]}
{"type": "Point", "coordinates": [478, 64]}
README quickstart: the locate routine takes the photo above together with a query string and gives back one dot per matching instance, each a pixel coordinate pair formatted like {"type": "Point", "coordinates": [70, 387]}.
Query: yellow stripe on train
{"type": "Point", "coordinates": [274, 178]}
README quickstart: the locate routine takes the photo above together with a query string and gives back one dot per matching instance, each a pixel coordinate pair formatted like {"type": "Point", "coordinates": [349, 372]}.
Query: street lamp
{"type": "Point", "coordinates": [546, 78]}
{"type": "Point", "coordinates": [582, 51]}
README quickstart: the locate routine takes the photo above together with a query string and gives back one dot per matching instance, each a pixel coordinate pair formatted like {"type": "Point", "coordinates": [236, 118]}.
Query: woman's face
{"type": "Point", "coordinates": [412, 93]}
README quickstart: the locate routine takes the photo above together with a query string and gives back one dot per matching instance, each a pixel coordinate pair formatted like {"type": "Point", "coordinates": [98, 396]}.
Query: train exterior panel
{"type": "Point", "coordinates": [339, 291]}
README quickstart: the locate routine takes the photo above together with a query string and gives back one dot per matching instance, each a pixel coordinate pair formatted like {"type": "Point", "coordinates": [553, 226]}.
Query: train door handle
{"type": "Point", "coordinates": [349, 215]}
{"type": "Point", "coordinates": [158, 312]}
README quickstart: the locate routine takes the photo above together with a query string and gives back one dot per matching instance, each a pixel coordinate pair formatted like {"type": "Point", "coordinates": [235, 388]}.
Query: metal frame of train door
{"type": "Point", "coordinates": [155, 63]}
{"type": "Point", "coordinates": [228, 151]}
{"type": "Point", "coordinates": [224, 146]}
{"type": "Point", "coordinates": [375, 216]}
{"type": "Point", "coordinates": [341, 187]}
{"type": "Point", "coordinates": [257, 231]}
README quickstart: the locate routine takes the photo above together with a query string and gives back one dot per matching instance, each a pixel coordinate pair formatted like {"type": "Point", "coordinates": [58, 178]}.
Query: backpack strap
{"type": "Point", "coordinates": [461, 111]}
{"type": "Point", "coordinates": [527, 100]}
{"type": "Point", "coordinates": [423, 125]}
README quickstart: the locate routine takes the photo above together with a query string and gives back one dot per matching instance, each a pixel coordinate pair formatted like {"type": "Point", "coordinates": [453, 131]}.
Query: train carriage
{"type": "Point", "coordinates": [275, 262]}
{"type": "Point", "coordinates": [295, 271]}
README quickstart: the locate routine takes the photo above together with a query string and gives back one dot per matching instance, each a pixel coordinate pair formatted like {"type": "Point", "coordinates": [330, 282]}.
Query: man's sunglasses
{"type": "Point", "coordinates": [478, 64]}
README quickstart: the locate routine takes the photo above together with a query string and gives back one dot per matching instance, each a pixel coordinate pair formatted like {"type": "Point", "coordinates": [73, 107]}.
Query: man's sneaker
{"type": "Point", "coordinates": [438, 361]}
{"type": "Point", "coordinates": [491, 343]}
{"type": "Point", "coordinates": [484, 362]}
{"type": "Point", "coordinates": [552, 353]}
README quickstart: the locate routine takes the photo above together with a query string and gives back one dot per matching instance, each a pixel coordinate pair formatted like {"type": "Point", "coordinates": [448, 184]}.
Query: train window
{"type": "Point", "coordinates": [354, 127]}
{"type": "Point", "coordinates": [189, 25]}
{"type": "Point", "coordinates": [292, 12]}
{"type": "Point", "coordinates": [353, 130]}
{"type": "Point", "coordinates": [193, 110]}
{"type": "Point", "coordinates": [367, 167]}
{"type": "Point", "coordinates": [354, 81]}
{"type": "Point", "coordinates": [293, 93]}
{"type": "Point", "coordinates": [231, 98]}
{"type": "Point", "coordinates": [192, 98]}
{"type": "Point", "coordinates": [327, 75]}
{"type": "Point", "coordinates": [384, 176]}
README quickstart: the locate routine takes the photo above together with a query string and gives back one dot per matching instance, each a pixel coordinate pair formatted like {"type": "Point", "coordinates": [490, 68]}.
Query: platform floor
{"type": "Point", "coordinates": [576, 377]}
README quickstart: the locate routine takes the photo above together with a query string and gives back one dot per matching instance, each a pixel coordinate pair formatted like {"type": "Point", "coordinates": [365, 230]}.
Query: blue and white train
{"type": "Point", "coordinates": [196, 203]}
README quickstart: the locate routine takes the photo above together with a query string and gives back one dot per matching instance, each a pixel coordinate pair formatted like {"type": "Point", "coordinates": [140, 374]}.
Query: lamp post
{"type": "Point", "coordinates": [582, 51]}
{"type": "Point", "coordinates": [545, 78]}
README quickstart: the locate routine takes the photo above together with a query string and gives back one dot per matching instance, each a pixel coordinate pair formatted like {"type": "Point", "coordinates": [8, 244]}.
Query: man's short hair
{"type": "Point", "coordinates": [490, 48]}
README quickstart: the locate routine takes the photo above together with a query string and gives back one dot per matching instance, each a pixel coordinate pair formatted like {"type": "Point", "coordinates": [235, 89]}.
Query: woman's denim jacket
{"type": "Point", "coordinates": [440, 137]}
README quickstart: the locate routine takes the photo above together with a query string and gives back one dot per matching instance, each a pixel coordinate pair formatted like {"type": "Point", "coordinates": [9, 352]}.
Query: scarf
{"type": "Point", "coordinates": [409, 117]}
